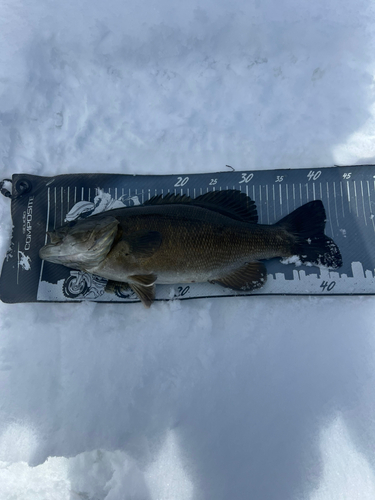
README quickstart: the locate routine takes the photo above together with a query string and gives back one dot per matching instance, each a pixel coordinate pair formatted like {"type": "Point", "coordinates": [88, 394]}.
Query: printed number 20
{"type": "Point", "coordinates": [181, 181]}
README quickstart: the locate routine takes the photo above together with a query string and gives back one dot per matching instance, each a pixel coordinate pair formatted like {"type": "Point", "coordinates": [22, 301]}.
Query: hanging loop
{"type": "Point", "coordinates": [5, 192]}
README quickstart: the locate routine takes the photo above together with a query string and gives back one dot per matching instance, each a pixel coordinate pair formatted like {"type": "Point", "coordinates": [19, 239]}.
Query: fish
{"type": "Point", "coordinates": [174, 238]}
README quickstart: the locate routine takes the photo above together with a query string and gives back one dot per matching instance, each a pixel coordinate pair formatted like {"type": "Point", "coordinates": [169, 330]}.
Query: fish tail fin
{"type": "Point", "coordinates": [307, 225]}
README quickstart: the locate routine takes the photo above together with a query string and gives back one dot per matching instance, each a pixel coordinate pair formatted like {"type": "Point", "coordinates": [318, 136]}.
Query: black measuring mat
{"type": "Point", "coordinates": [41, 204]}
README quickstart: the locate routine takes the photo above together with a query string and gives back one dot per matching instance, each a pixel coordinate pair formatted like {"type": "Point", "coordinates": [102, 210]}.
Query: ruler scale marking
{"type": "Point", "coordinates": [329, 210]}
{"type": "Point", "coordinates": [369, 204]}
{"type": "Point", "coordinates": [363, 204]}
{"type": "Point", "coordinates": [335, 198]}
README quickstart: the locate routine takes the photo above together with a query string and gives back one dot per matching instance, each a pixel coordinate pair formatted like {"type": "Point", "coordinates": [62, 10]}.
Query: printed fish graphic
{"type": "Point", "coordinates": [176, 239]}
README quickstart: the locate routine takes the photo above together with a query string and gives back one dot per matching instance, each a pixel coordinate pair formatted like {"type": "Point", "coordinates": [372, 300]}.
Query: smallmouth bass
{"type": "Point", "coordinates": [177, 239]}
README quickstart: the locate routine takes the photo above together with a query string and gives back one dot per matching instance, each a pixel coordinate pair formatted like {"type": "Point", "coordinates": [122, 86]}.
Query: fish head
{"type": "Point", "coordinates": [81, 245]}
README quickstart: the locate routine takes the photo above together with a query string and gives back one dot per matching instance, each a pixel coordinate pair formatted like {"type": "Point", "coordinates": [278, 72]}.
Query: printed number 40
{"type": "Point", "coordinates": [312, 175]}
{"type": "Point", "coordinates": [325, 286]}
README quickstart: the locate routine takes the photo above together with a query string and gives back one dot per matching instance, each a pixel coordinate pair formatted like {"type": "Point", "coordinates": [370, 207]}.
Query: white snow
{"type": "Point", "coordinates": [261, 397]}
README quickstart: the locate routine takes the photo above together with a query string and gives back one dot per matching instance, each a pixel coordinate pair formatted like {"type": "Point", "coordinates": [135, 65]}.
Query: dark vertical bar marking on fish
{"type": "Point", "coordinates": [363, 204]}
{"type": "Point", "coordinates": [335, 198]}
{"type": "Point", "coordinates": [329, 210]}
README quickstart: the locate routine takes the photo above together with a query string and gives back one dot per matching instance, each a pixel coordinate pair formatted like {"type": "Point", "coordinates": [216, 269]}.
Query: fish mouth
{"type": "Point", "coordinates": [50, 252]}
{"type": "Point", "coordinates": [45, 251]}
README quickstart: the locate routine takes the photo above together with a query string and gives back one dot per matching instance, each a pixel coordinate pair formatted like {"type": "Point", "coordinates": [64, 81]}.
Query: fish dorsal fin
{"type": "Point", "coordinates": [168, 199]}
{"type": "Point", "coordinates": [231, 203]}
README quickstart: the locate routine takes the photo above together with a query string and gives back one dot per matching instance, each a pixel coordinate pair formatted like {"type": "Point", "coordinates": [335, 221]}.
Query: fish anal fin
{"type": "Point", "coordinates": [144, 287]}
{"type": "Point", "coordinates": [249, 276]}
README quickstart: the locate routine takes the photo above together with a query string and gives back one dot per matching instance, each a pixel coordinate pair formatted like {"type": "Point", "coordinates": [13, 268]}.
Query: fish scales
{"type": "Point", "coordinates": [197, 244]}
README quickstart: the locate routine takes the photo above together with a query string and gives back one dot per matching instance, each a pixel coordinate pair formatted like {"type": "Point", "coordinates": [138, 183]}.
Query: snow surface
{"type": "Point", "coordinates": [262, 398]}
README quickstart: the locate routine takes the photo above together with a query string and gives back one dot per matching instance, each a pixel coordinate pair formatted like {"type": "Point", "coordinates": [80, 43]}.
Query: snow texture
{"type": "Point", "coordinates": [263, 397]}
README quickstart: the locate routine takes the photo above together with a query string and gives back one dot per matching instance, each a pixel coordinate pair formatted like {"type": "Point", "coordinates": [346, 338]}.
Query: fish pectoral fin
{"type": "Point", "coordinates": [143, 244]}
{"type": "Point", "coordinates": [249, 276]}
{"type": "Point", "coordinates": [144, 287]}
{"type": "Point", "coordinates": [142, 279]}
